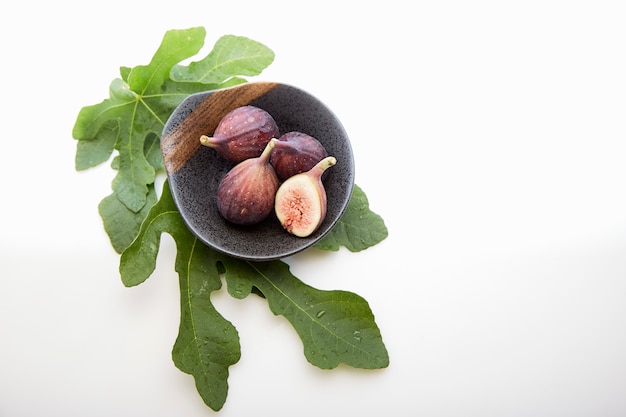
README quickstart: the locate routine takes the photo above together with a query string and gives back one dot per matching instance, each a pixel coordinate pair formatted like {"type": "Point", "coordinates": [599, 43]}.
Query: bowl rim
{"type": "Point", "coordinates": [173, 166]}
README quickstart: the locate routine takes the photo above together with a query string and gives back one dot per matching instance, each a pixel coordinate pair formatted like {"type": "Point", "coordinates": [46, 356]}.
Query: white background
{"type": "Point", "coordinates": [489, 135]}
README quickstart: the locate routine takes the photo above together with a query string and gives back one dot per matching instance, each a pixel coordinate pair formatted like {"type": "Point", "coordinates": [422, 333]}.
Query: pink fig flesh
{"type": "Point", "coordinates": [300, 204]}
{"type": "Point", "coordinates": [242, 133]}
{"type": "Point", "coordinates": [296, 152]}
{"type": "Point", "coordinates": [245, 196]}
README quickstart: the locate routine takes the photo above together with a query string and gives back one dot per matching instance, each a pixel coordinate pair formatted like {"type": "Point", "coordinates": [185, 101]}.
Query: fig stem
{"type": "Point", "coordinates": [283, 144]}
{"type": "Point", "coordinates": [268, 149]}
{"type": "Point", "coordinates": [324, 164]}
{"type": "Point", "coordinates": [207, 141]}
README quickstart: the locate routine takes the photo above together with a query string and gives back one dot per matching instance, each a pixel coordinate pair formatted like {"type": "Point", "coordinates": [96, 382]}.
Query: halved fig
{"type": "Point", "coordinates": [300, 204]}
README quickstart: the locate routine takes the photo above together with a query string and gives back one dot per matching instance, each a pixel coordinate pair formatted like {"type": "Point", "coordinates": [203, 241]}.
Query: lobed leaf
{"type": "Point", "coordinates": [359, 228]}
{"type": "Point", "coordinates": [132, 118]}
{"type": "Point", "coordinates": [93, 152]}
{"type": "Point", "coordinates": [121, 224]}
{"type": "Point", "coordinates": [334, 326]}
{"type": "Point", "coordinates": [138, 260]}
{"type": "Point", "coordinates": [134, 111]}
{"type": "Point", "coordinates": [100, 125]}
{"type": "Point", "coordinates": [230, 55]}
{"type": "Point", "coordinates": [176, 46]}
{"type": "Point", "coordinates": [146, 116]}
{"type": "Point", "coordinates": [152, 151]}
{"type": "Point", "coordinates": [207, 344]}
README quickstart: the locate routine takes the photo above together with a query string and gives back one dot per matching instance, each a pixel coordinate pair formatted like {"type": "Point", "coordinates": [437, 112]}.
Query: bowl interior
{"type": "Point", "coordinates": [195, 171]}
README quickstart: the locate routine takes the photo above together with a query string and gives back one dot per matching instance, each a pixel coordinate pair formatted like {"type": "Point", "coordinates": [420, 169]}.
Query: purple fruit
{"type": "Point", "coordinates": [246, 193]}
{"type": "Point", "coordinates": [242, 134]}
{"type": "Point", "coordinates": [296, 152]}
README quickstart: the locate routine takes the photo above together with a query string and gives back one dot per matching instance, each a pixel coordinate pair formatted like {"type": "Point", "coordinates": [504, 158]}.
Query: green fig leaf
{"type": "Point", "coordinates": [131, 120]}
{"type": "Point", "coordinates": [358, 229]}
{"type": "Point", "coordinates": [334, 326]}
{"type": "Point", "coordinates": [121, 224]}
{"type": "Point", "coordinates": [92, 152]}
{"type": "Point", "coordinates": [152, 151]}
{"type": "Point", "coordinates": [207, 343]}
{"type": "Point", "coordinates": [231, 55]}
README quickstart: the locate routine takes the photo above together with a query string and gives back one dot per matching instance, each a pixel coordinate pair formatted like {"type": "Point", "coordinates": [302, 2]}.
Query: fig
{"type": "Point", "coordinates": [296, 152]}
{"type": "Point", "coordinates": [300, 203]}
{"type": "Point", "coordinates": [242, 133]}
{"type": "Point", "coordinates": [245, 195]}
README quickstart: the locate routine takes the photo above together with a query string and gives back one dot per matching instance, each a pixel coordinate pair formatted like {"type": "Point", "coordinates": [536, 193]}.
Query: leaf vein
{"type": "Point", "coordinates": [313, 319]}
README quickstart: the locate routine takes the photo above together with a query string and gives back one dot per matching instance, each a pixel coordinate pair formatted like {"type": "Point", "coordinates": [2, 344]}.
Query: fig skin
{"type": "Point", "coordinates": [296, 152]}
{"type": "Point", "coordinates": [300, 203]}
{"type": "Point", "coordinates": [242, 133]}
{"type": "Point", "coordinates": [245, 195]}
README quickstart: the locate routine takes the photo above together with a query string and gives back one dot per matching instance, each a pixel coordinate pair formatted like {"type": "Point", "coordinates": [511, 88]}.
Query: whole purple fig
{"type": "Point", "coordinates": [296, 152]}
{"type": "Point", "coordinates": [246, 193]}
{"type": "Point", "coordinates": [242, 133]}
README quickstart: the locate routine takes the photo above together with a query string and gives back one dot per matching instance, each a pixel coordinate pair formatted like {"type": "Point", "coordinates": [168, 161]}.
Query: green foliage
{"type": "Point", "coordinates": [207, 344]}
{"type": "Point", "coordinates": [334, 326]}
{"type": "Point", "coordinates": [131, 120]}
{"type": "Point", "coordinates": [358, 229]}
{"type": "Point", "coordinates": [120, 223]}
{"type": "Point", "coordinates": [228, 57]}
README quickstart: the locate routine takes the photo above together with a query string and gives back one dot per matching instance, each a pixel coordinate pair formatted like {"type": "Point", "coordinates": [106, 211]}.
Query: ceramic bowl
{"type": "Point", "coordinates": [195, 171]}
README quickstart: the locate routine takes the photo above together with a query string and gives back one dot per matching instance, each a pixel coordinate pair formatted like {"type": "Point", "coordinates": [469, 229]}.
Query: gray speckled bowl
{"type": "Point", "coordinates": [194, 171]}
